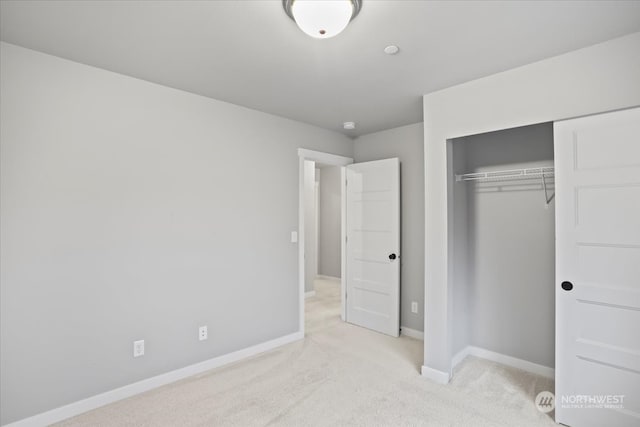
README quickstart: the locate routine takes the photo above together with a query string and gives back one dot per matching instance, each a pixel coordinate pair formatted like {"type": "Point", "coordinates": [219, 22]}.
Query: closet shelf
{"type": "Point", "coordinates": [514, 174]}
{"type": "Point", "coordinates": [504, 175]}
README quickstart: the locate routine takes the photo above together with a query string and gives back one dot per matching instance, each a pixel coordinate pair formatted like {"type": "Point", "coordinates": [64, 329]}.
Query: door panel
{"type": "Point", "coordinates": [373, 233]}
{"type": "Point", "coordinates": [615, 266]}
{"type": "Point", "coordinates": [588, 149]}
{"type": "Point", "coordinates": [598, 251]}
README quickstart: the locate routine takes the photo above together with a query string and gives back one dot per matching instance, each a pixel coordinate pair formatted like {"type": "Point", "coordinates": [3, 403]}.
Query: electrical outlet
{"type": "Point", "coordinates": [202, 333]}
{"type": "Point", "coordinates": [138, 348]}
{"type": "Point", "coordinates": [414, 307]}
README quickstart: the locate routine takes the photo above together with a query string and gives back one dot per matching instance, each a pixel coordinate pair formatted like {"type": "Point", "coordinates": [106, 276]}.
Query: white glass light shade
{"type": "Point", "coordinates": [322, 18]}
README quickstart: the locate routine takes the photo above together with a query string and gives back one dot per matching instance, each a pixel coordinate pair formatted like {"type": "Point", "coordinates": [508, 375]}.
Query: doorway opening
{"type": "Point", "coordinates": [369, 238]}
{"type": "Point", "coordinates": [321, 235]}
{"type": "Point", "coordinates": [323, 244]}
{"type": "Point", "coordinates": [544, 283]}
{"type": "Point", "coordinates": [502, 255]}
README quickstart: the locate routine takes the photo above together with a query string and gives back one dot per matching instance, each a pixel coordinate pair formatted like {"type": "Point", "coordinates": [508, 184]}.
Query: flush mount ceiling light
{"type": "Point", "coordinates": [322, 19]}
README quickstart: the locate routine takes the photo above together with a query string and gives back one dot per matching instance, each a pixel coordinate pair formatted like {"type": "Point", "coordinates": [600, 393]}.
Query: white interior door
{"type": "Point", "coordinates": [373, 245]}
{"type": "Point", "coordinates": [598, 270]}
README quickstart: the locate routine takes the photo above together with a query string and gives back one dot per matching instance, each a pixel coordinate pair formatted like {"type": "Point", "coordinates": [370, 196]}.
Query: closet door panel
{"type": "Point", "coordinates": [608, 213]}
{"type": "Point", "coordinates": [598, 269]}
{"type": "Point", "coordinates": [621, 140]}
{"type": "Point", "coordinates": [612, 266]}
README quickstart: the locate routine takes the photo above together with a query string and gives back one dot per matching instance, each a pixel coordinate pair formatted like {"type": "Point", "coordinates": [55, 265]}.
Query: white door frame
{"type": "Point", "coordinates": [327, 159]}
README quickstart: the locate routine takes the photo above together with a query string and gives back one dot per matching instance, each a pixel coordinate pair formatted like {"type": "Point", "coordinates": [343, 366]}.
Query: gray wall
{"type": "Point", "coordinates": [135, 211]}
{"type": "Point", "coordinates": [406, 143]}
{"type": "Point", "coordinates": [510, 273]}
{"type": "Point", "coordinates": [330, 231]}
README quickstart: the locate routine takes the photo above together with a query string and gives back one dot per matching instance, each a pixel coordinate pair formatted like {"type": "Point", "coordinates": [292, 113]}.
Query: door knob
{"type": "Point", "coordinates": [392, 257]}
{"type": "Point", "coordinates": [567, 286]}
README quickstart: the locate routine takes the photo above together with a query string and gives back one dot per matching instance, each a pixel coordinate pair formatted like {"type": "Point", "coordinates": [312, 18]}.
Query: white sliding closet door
{"type": "Point", "coordinates": [598, 270]}
{"type": "Point", "coordinates": [373, 245]}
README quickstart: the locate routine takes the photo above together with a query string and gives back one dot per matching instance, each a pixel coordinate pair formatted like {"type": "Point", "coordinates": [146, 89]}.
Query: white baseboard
{"type": "Point", "coordinates": [514, 362]}
{"type": "Point", "coordinates": [435, 375]}
{"type": "Point", "coordinates": [310, 294]}
{"type": "Point", "coordinates": [93, 402]}
{"type": "Point", "coordinates": [325, 277]}
{"type": "Point", "coordinates": [412, 333]}
{"type": "Point", "coordinates": [460, 356]}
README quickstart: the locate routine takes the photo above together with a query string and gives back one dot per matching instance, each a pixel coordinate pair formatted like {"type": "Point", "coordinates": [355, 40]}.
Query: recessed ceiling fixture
{"type": "Point", "coordinates": [349, 125]}
{"type": "Point", "coordinates": [322, 19]}
{"type": "Point", "coordinates": [391, 49]}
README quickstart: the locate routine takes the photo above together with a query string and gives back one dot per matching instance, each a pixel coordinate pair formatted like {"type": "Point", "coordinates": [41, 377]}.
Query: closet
{"type": "Point", "coordinates": [502, 244]}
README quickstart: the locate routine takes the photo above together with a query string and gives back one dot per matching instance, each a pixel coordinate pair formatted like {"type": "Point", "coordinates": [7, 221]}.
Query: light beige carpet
{"type": "Point", "coordinates": [339, 375]}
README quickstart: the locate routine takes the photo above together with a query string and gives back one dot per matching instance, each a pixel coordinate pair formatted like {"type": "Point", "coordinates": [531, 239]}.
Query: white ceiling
{"type": "Point", "coordinates": [250, 53]}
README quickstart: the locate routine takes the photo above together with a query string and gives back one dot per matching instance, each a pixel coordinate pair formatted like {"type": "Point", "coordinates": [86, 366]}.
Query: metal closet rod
{"type": "Point", "coordinates": [513, 174]}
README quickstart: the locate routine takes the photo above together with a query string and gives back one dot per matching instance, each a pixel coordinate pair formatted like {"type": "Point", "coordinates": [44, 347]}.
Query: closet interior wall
{"type": "Point", "coordinates": [502, 246]}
